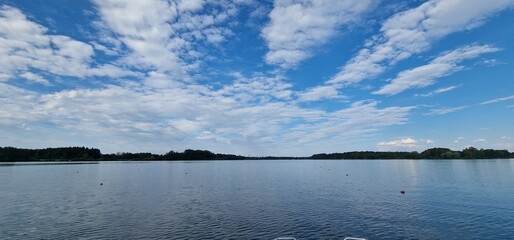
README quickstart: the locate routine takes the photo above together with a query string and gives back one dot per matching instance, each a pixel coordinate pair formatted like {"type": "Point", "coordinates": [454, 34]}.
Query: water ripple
{"type": "Point", "coordinates": [257, 200]}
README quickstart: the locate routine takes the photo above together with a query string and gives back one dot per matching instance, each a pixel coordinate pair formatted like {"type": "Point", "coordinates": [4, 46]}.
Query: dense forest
{"type": "Point", "coordinates": [11, 154]}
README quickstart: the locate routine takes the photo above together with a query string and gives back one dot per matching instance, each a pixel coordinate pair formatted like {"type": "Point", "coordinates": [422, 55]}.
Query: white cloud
{"type": "Point", "coordinates": [296, 27]}
{"type": "Point", "coordinates": [15, 104]}
{"type": "Point", "coordinates": [442, 111]}
{"type": "Point", "coordinates": [143, 26]}
{"type": "Point", "coordinates": [128, 116]}
{"type": "Point", "coordinates": [26, 45]}
{"type": "Point", "coordinates": [35, 78]}
{"type": "Point", "coordinates": [190, 5]}
{"type": "Point", "coordinates": [496, 100]}
{"type": "Point", "coordinates": [319, 93]}
{"type": "Point", "coordinates": [163, 36]}
{"type": "Point", "coordinates": [491, 62]}
{"type": "Point", "coordinates": [413, 31]}
{"type": "Point", "coordinates": [403, 143]}
{"type": "Point", "coordinates": [440, 90]}
{"type": "Point", "coordinates": [361, 117]}
{"type": "Point", "coordinates": [422, 76]}
{"type": "Point", "coordinates": [104, 49]}
{"type": "Point", "coordinates": [4, 77]}
{"type": "Point", "coordinates": [258, 88]}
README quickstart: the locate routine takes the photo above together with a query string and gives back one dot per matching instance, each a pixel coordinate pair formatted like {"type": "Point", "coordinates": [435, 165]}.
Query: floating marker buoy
{"type": "Point", "coordinates": [402, 192]}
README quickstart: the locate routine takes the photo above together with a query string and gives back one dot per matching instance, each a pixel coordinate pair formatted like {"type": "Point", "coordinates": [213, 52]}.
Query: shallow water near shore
{"type": "Point", "coordinates": [263, 199]}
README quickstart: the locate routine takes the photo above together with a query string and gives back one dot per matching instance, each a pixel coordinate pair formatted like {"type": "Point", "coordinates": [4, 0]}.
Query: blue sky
{"type": "Point", "coordinates": [283, 77]}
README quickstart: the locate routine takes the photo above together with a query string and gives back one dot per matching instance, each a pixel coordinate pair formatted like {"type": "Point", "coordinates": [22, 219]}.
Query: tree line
{"type": "Point", "coordinates": [432, 153]}
{"type": "Point", "coordinates": [188, 154]}
{"type": "Point", "coordinates": [11, 154]}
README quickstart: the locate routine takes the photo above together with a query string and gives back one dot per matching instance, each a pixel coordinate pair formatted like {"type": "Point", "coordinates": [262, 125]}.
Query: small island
{"type": "Point", "coordinates": [12, 154]}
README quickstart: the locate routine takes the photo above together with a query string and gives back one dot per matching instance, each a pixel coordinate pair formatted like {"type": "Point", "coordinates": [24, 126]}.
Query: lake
{"type": "Point", "coordinates": [263, 199]}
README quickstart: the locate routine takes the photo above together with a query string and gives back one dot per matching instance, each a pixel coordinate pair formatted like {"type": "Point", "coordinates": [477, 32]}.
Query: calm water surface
{"type": "Point", "coordinates": [307, 199]}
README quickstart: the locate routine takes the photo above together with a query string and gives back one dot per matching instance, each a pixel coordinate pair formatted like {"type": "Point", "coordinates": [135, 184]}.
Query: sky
{"type": "Point", "coordinates": [257, 78]}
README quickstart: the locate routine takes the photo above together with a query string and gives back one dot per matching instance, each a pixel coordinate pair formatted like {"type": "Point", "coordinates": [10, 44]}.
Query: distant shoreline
{"type": "Point", "coordinates": [78, 154]}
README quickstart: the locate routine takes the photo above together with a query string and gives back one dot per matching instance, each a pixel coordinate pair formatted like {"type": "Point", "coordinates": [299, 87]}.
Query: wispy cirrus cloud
{"type": "Point", "coordinates": [444, 65]}
{"type": "Point", "coordinates": [440, 90]}
{"type": "Point", "coordinates": [413, 31]}
{"type": "Point", "coordinates": [296, 27]}
{"type": "Point", "coordinates": [442, 111]}
{"type": "Point", "coordinates": [496, 100]}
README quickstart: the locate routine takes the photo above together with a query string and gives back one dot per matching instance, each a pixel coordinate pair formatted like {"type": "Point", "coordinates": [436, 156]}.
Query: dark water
{"type": "Point", "coordinates": [259, 200]}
